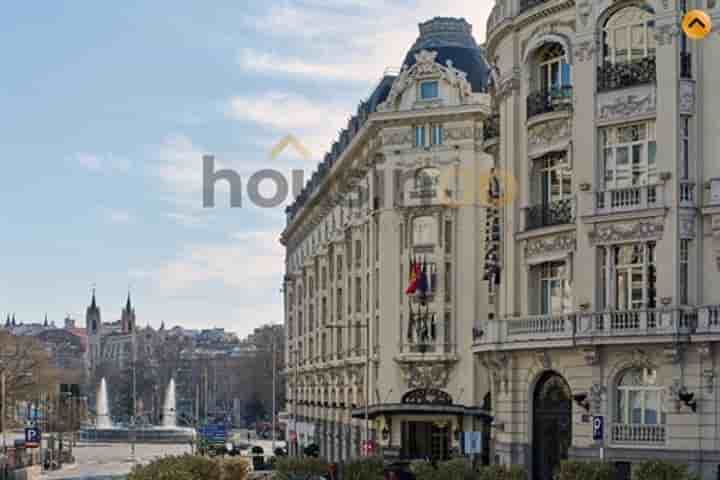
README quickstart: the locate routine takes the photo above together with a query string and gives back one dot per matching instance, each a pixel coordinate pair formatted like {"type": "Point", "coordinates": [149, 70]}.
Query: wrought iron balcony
{"type": "Point", "coordinates": [613, 76]}
{"type": "Point", "coordinates": [553, 100]}
{"type": "Point", "coordinates": [528, 4]}
{"type": "Point", "coordinates": [491, 128]}
{"type": "Point", "coordinates": [561, 212]}
{"type": "Point", "coordinates": [685, 65]}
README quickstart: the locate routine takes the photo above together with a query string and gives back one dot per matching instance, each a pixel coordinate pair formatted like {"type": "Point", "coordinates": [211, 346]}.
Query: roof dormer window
{"type": "Point", "coordinates": [429, 90]}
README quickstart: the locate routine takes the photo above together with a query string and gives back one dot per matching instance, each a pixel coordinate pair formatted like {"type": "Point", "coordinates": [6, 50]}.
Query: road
{"type": "Point", "coordinates": [105, 461]}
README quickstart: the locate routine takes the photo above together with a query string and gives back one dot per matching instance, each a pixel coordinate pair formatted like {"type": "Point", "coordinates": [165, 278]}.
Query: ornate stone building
{"type": "Point", "coordinates": [395, 193]}
{"type": "Point", "coordinates": [110, 342]}
{"type": "Point", "coordinates": [604, 138]}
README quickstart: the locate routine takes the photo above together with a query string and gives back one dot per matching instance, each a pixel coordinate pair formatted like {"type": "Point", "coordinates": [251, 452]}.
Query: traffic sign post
{"type": "Point", "coordinates": [598, 427]}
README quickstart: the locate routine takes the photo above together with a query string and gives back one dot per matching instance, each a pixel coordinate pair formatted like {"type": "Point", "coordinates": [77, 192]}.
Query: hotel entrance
{"type": "Point", "coordinates": [430, 440]}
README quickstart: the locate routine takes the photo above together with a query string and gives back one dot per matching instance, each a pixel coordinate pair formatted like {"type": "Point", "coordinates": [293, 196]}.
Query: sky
{"type": "Point", "coordinates": [107, 110]}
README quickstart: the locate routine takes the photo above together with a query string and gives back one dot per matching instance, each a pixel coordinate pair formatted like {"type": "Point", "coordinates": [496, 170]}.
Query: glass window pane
{"type": "Point", "coordinates": [635, 399]}
{"type": "Point", "coordinates": [621, 45]}
{"type": "Point", "coordinates": [637, 39]}
{"type": "Point", "coordinates": [620, 407]}
{"type": "Point", "coordinates": [652, 406]}
{"type": "Point", "coordinates": [565, 74]}
{"type": "Point", "coordinates": [429, 90]}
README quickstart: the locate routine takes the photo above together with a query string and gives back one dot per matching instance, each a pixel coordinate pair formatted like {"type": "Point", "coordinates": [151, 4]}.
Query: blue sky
{"type": "Point", "coordinates": [107, 111]}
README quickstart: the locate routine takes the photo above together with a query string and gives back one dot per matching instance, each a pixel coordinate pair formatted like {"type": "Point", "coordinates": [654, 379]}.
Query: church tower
{"type": "Point", "coordinates": [127, 320]}
{"type": "Point", "coordinates": [93, 326]}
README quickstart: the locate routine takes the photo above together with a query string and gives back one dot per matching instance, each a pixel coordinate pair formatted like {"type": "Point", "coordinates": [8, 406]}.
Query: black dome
{"type": "Point", "coordinates": [452, 39]}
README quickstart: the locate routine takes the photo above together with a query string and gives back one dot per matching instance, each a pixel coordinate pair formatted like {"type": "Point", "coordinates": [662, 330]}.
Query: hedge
{"type": "Point", "coordinates": [575, 470]}
{"type": "Point", "coordinates": [191, 467]}
{"type": "Point", "coordinates": [502, 472]}
{"type": "Point", "coordinates": [288, 468]}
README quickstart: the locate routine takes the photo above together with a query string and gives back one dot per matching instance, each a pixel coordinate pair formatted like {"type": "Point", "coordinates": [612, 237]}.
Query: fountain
{"type": "Point", "coordinates": [103, 415]}
{"type": "Point", "coordinates": [105, 431]}
{"type": "Point", "coordinates": [169, 415]}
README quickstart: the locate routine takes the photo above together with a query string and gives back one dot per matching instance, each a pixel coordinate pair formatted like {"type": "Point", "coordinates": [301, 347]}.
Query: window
{"type": "Point", "coordinates": [629, 277]}
{"type": "Point", "coordinates": [436, 134]}
{"type": "Point", "coordinates": [429, 90]}
{"type": "Point", "coordinates": [339, 305]}
{"type": "Point", "coordinates": [684, 271]}
{"type": "Point", "coordinates": [324, 311]}
{"type": "Point", "coordinates": [639, 398]}
{"type": "Point", "coordinates": [420, 136]}
{"type": "Point", "coordinates": [629, 36]}
{"type": "Point", "coordinates": [339, 267]}
{"type": "Point", "coordinates": [311, 317]}
{"type": "Point", "coordinates": [685, 145]}
{"type": "Point", "coordinates": [448, 236]}
{"type": "Point", "coordinates": [424, 231]}
{"type": "Point", "coordinates": [338, 341]}
{"type": "Point", "coordinates": [553, 71]}
{"type": "Point", "coordinates": [555, 178]}
{"type": "Point", "coordinates": [629, 155]}
{"type": "Point", "coordinates": [358, 294]}
{"type": "Point", "coordinates": [448, 281]}
{"type": "Point", "coordinates": [554, 291]}
{"type": "Point", "coordinates": [324, 278]}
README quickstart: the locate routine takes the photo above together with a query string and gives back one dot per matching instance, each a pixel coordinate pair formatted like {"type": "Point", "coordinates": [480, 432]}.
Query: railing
{"type": "Point", "coordinates": [435, 347]}
{"type": "Point", "coordinates": [491, 128]}
{"type": "Point", "coordinates": [595, 325]}
{"type": "Point", "coordinates": [612, 76]}
{"type": "Point", "coordinates": [561, 212]}
{"type": "Point", "coordinates": [639, 434]}
{"type": "Point", "coordinates": [687, 193]}
{"type": "Point", "coordinates": [528, 4]}
{"type": "Point", "coordinates": [686, 65]}
{"type": "Point", "coordinates": [546, 101]}
{"type": "Point", "coordinates": [629, 198]}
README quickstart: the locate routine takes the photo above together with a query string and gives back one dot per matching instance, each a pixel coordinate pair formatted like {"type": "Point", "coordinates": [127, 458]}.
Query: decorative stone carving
{"type": "Point", "coordinates": [584, 10]}
{"type": "Point", "coordinates": [507, 86]}
{"type": "Point", "coordinates": [459, 133]}
{"type": "Point", "coordinates": [546, 245]}
{"type": "Point", "coordinates": [591, 356]}
{"type": "Point", "coordinates": [427, 375]}
{"type": "Point", "coordinates": [625, 106]}
{"type": "Point", "coordinates": [627, 231]}
{"type": "Point", "coordinates": [596, 393]}
{"type": "Point", "coordinates": [584, 51]}
{"type": "Point", "coordinates": [672, 354]}
{"type": "Point", "coordinates": [397, 137]}
{"type": "Point", "coordinates": [545, 29]}
{"type": "Point", "coordinates": [498, 364]}
{"type": "Point", "coordinates": [547, 134]}
{"type": "Point", "coordinates": [687, 97]}
{"type": "Point", "coordinates": [664, 34]}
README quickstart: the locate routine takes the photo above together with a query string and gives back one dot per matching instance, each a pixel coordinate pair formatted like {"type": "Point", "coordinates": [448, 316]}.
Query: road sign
{"type": "Point", "coordinates": [33, 437]}
{"type": "Point", "coordinates": [214, 433]}
{"type": "Point", "coordinates": [598, 428]}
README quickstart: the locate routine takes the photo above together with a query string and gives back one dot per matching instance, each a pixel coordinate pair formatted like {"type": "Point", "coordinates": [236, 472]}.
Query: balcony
{"type": "Point", "coordinates": [687, 194]}
{"type": "Point", "coordinates": [686, 65]}
{"type": "Point", "coordinates": [491, 128]}
{"type": "Point", "coordinates": [614, 76]}
{"type": "Point", "coordinates": [528, 4]}
{"type": "Point", "coordinates": [629, 199]}
{"type": "Point", "coordinates": [561, 212]}
{"type": "Point", "coordinates": [592, 327]}
{"type": "Point", "coordinates": [638, 434]}
{"type": "Point", "coordinates": [547, 101]}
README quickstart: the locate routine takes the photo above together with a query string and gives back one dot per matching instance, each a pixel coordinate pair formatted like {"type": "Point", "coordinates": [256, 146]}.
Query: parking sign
{"type": "Point", "coordinates": [32, 437]}
{"type": "Point", "coordinates": [598, 428]}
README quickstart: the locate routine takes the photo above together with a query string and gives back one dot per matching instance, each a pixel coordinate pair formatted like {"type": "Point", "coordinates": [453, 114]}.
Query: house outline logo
{"type": "Point", "coordinates": [290, 141]}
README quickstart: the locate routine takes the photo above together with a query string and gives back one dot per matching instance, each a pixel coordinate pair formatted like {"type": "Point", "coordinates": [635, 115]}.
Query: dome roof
{"type": "Point", "coordinates": [452, 39]}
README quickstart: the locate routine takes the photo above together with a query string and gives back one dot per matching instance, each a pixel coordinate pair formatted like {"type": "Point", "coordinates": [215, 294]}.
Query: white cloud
{"type": "Point", "coordinates": [106, 162]}
{"type": "Point", "coordinates": [119, 217]}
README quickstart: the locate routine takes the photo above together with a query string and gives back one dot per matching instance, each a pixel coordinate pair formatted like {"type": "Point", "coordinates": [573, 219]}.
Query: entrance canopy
{"type": "Point", "coordinates": [421, 409]}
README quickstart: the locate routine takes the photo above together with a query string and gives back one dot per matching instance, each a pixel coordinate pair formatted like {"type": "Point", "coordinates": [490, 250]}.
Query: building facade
{"type": "Point", "coordinates": [606, 304]}
{"type": "Point", "coordinates": [374, 360]}
{"type": "Point", "coordinates": [112, 343]}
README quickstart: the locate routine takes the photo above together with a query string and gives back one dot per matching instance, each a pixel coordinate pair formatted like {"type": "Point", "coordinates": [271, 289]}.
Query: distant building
{"type": "Point", "coordinates": [112, 342]}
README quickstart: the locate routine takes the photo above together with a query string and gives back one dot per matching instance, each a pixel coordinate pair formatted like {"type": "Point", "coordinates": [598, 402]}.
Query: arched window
{"type": "Point", "coordinates": [427, 178]}
{"type": "Point", "coordinates": [639, 398]}
{"type": "Point", "coordinates": [553, 71]}
{"type": "Point", "coordinates": [629, 35]}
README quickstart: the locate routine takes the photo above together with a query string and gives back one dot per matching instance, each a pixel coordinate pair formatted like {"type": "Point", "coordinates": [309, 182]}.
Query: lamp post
{"type": "Point", "coordinates": [366, 326]}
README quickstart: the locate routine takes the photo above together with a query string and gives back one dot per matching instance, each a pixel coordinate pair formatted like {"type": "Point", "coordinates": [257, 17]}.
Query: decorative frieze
{"type": "Point", "coordinates": [626, 232]}
{"type": "Point", "coordinates": [397, 137]}
{"type": "Point", "coordinates": [546, 135]}
{"type": "Point", "coordinates": [621, 106]}
{"type": "Point", "coordinates": [591, 356]}
{"type": "Point", "coordinates": [539, 247]}
{"type": "Point", "coordinates": [459, 133]}
{"type": "Point", "coordinates": [584, 9]}
{"type": "Point", "coordinates": [427, 374]}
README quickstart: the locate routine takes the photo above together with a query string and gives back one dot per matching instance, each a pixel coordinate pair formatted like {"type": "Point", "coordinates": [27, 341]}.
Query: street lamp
{"type": "Point", "coordinates": [366, 326]}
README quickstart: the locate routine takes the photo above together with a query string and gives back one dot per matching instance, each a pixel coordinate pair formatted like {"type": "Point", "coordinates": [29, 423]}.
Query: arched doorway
{"type": "Point", "coordinates": [552, 425]}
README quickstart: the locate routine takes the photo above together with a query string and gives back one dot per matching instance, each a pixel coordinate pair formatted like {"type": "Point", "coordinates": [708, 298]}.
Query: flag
{"type": "Point", "coordinates": [422, 281]}
{"type": "Point", "coordinates": [414, 276]}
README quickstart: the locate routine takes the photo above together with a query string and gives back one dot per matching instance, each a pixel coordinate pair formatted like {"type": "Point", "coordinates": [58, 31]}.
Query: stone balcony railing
{"type": "Point", "coordinates": [578, 327]}
{"type": "Point", "coordinates": [628, 199]}
{"type": "Point", "coordinates": [638, 434]}
{"type": "Point", "coordinates": [687, 193]}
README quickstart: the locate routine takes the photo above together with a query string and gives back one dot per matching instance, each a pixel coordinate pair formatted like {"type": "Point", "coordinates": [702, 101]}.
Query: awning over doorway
{"type": "Point", "coordinates": [421, 409]}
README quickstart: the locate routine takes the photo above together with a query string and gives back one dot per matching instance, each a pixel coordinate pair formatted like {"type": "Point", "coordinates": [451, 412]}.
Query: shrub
{"type": "Point", "coordinates": [186, 467]}
{"type": "Point", "coordinates": [458, 469]}
{"type": "Point", "coordinates": [574, 470]}
{"type": "Point", "coordinates": [502, 472]}
{"type": "Point", "coordinates": [288, 468]}
{"type": "Point", "coordinates": [365, 469]}
{"type": "Point", "coordinates": [235, 469]}
{"type": "Point", "coordinates": [660, 470]}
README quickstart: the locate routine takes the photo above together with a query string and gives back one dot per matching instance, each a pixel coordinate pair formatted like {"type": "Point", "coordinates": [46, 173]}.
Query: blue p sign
{"type": "Point", "coordinates": [598, 428]}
